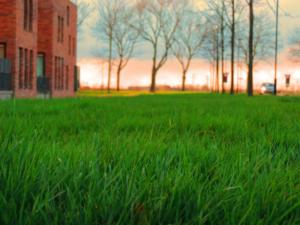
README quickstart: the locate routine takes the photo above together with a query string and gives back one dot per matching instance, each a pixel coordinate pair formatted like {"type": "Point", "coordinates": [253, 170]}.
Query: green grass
{"type": "Point", "coordinates": [161, 159]}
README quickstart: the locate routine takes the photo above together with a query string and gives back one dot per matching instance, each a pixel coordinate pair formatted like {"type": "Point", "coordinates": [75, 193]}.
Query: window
{"type": "Point", "coordinates": [25, 19]}
{"type": "Point", "coordinates": [70, 44]}
{"type": "Point", "coordinates": [21, 68]}
{"type": "Point", "coordinates": [68, 15]}
{"type": "Point", "coordinates": [41, 65]}
{"type": "Point", "coordinates": [74, 46]}
{"type": "Point", "coordinates": [2, 50]}
{"type": "Point", "coordinates": [27, 14]}
{"type": "Point", "coordinates": [59, 73]}
{"type": "Point", "coordinates": [30, 18]}
{"type": "Point", "coordinates": [60, 29]}
{"type": "Point", "coordinates": [56, 73]}
{"type": "Point", "coordinates": [67, 77]}
{"type": "Point", "coordinates": [31, 70]}
{"type": "Point", "coordinates": [62, 74]}
{"type": "Point", "coordinates": [26, 69]}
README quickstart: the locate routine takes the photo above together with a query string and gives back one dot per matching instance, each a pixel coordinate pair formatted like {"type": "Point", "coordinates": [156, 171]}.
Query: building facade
{"type": "Point", "coordinates": [38, 40]}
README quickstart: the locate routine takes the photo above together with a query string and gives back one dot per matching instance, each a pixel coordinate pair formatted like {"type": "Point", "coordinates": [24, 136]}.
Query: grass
{"type": "Point", "coordinates": [156, 159]}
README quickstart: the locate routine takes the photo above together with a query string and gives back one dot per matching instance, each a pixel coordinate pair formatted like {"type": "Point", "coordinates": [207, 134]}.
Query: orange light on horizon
{"type": "Point", "coordinates": [138, 73]}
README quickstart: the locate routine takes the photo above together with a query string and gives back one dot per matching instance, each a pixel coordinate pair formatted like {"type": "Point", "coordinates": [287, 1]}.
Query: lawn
{"type": "Point", "coordinates": [153, 160]}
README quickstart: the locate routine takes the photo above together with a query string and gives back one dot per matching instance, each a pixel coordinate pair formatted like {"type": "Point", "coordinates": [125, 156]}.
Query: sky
{"type": "Point", "coordinates": [137, 73]}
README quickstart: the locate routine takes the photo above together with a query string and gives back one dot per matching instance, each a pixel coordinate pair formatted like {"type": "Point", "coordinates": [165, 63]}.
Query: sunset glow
{"type": "Point", "coordinates": [138, 71]}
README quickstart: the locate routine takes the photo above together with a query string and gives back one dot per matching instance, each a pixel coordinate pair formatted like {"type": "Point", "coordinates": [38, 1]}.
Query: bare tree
{"type": "Point", "coordinates": [234, 11]}
{"type": "Point", "coordinates": [217, 11]}
{"type": "Point", "coordinates": [294, 45]}
{"type": "Point", "coordinates": [108, 11]}
{"type": "Point", "coordinates": [250, 45]}
{"type": "Point", "coordinates": [276, 47]}
{"type": "Point", "coordinates": [125, 39]}
{"type": "Point", "coordinates": [263, 35]}
{"type": "Point", "coordinates": [232, 28]}
{"type": "Point", "coordinates": [84, 9]}
{"type": "Point", "coordinates": [189, 39]}
{"type": "Point", "coordinates": [159, 20]}
{"type": "Point", "coordinates": [211, 51]}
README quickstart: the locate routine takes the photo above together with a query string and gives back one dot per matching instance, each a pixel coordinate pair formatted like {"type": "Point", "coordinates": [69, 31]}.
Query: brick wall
{"type": "Point", "coordinates": [42, 37]}
{"type": "Point", "coordinates": [12, 33]}
{"type": "Point", "coordinates": [27, 40]}
{"type": "Point", "coordinates": [58, 44]}
{"type": "Point", "coordinates": [8, 30]}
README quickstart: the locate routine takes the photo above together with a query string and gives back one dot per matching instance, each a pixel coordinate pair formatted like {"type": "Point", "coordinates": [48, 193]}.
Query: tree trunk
{"type": "Point", "coordinates": [109, 65]}
{"type": "Point", "coordinates": [153, 81]}
{"type": "Point", "coordinates": [154, 71]}
{"type": "Point", "coordinates": [217, 66]}
{"type": "Point", "coordinates": [232, 46]}
{"type": "Point", "coordinates": [276, 47]}
{"type": "Point", "coordinates": [119, 77]}
{"type": "Point", "coordinates": [183, 80]}
{"type": "Point", "coordinates": [251, 34]}
{"type": "Point", "coordinates": [212, 82]}
{"type": "Point", "coordinates": [223, 46]}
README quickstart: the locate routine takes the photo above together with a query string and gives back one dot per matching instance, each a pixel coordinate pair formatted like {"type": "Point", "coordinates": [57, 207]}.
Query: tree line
{"type": "Point", "coordinates": [215, 30]}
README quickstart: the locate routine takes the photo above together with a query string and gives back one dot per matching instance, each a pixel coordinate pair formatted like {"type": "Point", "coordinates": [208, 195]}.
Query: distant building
{"type": "Point", "coordinates": [38, 47]}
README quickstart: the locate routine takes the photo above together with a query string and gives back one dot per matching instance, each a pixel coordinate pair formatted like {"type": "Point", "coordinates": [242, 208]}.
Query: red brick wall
{"type": "Point", "coordinates": [45, 35]}
{"type": "Point", "coordinates": [42, 38]}
{"type": "Point", "coordinates": [49, 10]}
{"type": "Point", "coordinates": [8, 29]}
{"type": "Point", "coordinates": [26, 40]}
{"type": "Point", "coordinates": [12, 33]}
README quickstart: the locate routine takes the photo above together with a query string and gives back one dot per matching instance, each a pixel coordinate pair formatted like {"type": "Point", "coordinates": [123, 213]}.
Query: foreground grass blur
{"type": "Point", "coordinates": [161, 159]}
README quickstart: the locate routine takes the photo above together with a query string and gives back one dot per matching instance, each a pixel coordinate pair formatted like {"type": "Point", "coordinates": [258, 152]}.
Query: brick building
{"type": "Point", "coordinates": [38, 43]}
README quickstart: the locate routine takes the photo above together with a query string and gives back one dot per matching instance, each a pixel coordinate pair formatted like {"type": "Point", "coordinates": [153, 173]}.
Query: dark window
{"type": "Point", "coordinates": [74, 47]}
{"type": "Point", "coordinates": [31, 70]}
{"type": "Point", "coordinates": [2, 50]}
{"type": "Point", "coordinates": [21, 71]}
{"type": "Point", "coordinates": [59, 78]}
{"type": "Point", "coordinates": [70, 44]}
{"type": "Point", "coordinates": [56, 73]}
{"type": "Point", "coordinates": [58, 29]}
{"type": "Point", "coordinates": [62, 30]}
{"type": "Point", "coordinates": [28, 14]}
{"type": "Point", "coordinates": [26, 69]}
{"type": "Point", "coordinates": [30, 17]}
{"type": "Point", "coordinates": [68, 15]}
{"type": "Point", "coordinates": [62, 73]}
{"type": "Point", "coordinates": [67, 77]}
{"type": "Point", "coordinates": [25, 14]}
